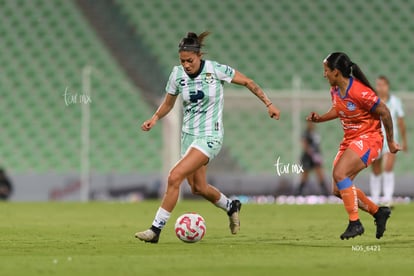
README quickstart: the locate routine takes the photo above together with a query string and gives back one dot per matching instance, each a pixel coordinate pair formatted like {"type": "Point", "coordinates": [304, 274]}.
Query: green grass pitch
{"type": "Point", "coordinates": [98, 239]}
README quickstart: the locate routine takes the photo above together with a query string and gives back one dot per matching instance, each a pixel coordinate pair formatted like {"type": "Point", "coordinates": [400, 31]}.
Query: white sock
{"type": "Point", "coordinates": [375, 185]}
{"type": "Point", "coordinates": [389, 183]}
{"type": "Point", "coordinates": [223, 203]}
{"type": "Point", "coordinates": [161, 218]}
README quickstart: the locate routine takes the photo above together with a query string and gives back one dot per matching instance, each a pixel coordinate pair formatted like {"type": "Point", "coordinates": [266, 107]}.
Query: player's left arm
{"type": "Point", "coordinates": [401, 123]}
{"type": "Point", "coordinates": [241, 79]}
{"type": "Point", "coordinates": [382, 110]}
{"type": "Point", "coordinates": [403, 132]}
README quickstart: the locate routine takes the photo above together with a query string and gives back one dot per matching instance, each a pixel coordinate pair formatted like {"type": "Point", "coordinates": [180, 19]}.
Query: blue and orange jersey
{"type": "Point", "coordinates": [355, 110]}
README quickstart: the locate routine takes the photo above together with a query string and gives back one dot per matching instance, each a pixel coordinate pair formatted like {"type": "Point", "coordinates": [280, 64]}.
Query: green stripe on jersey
{"type": "Point", "coordinates": [202, 97]}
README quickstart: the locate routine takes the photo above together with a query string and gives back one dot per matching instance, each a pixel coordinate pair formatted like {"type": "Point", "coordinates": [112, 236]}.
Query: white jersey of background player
{"type": "Point", "coordinates": [387, 177]}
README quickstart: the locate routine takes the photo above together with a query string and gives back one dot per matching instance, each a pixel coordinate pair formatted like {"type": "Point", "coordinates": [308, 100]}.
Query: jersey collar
{"type": "Point", "coordinates": [351, 80]}
{"type": "Point", "coordinates": [195, 75]}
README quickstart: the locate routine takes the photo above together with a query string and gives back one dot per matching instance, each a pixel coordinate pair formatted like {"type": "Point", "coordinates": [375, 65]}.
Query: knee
{"type": "Point", "coordinates": [174, 179]}
{"type": "Point", "coordinates": [338, 175]}
{"type": "Point", "coordinates": [376, 170]}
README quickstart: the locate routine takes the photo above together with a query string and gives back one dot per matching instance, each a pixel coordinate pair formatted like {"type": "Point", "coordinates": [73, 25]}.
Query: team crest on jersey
{"type": "Point", "coordinates": [350, 106]}
{"type": "Point", "coordinates": [209, 78]}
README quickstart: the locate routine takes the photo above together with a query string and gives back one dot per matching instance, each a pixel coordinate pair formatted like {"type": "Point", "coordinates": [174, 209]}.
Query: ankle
{"type": "Point", "coordinates": [156, 230]}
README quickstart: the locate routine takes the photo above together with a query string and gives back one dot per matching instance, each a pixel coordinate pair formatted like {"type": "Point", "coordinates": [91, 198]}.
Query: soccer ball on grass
{"type": "Point", "coordinates": [190, 227]}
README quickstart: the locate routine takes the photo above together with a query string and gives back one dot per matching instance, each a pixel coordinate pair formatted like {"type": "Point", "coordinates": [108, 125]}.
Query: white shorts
{"type": "Point", "coordinates": [209, 145]}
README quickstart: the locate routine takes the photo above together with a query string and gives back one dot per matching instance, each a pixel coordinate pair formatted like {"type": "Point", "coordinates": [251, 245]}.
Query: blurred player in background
{"type": "Point", "coordinates": [200, 82]}
{"type": "Point", "coordinates": [397, 114]}
{"type": "Point", "coordinates": [6, 187]}
{"type": "Point", "coordinates": [360, 111]}
{"type": "Point", "coordinates": [311, 158]}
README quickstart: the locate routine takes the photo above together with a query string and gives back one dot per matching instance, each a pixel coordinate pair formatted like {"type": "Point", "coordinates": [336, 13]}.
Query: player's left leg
{"type": "Point", "coordinates": [375, 180]}
{"type": "Point", "coordinates": [368, 149]}
{"type": "Point", "coordinates": [389, 178]}
{"type": "Point", "coordinates": [199, 186]}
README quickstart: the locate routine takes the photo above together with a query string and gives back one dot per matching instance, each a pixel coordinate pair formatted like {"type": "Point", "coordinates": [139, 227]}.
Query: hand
{"type": "Point", "coordinates": [313, 117]}
{"type": "Point", "coordinates": [394, 147]}
{"type": "Point", "coordinates": [273, 112]}
{"type": "Point", "coordinates": [148, 124]}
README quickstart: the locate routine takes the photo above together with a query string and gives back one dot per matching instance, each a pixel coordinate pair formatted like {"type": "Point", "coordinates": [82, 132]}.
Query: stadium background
{"type": "Point", "coordinates": [122, 51]}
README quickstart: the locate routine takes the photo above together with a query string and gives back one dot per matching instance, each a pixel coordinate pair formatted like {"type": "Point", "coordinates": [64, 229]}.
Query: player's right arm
{"type": "Point", "coordinates": [316, 118]}
{"type": "Point", "coordinates": [162, 110]}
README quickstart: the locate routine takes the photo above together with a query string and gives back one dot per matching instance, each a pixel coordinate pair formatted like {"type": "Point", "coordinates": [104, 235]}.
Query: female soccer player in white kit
{"type": "Point", "coordinates": [200, 82]}
{"type": "Point", "coordinates": [388, 178]}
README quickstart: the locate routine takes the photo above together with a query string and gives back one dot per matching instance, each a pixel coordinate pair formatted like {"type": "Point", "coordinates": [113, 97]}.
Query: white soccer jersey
{"type": "Point", "coordinates": [202, 97]}
{"type": "Point", "coordinates": [394, 104]}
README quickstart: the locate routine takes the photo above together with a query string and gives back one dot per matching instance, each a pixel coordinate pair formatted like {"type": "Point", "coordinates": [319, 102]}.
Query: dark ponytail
{"type": "Point", "coordinates": [343, 63]}
{"type": "Point", "coordinates": [192, 42]}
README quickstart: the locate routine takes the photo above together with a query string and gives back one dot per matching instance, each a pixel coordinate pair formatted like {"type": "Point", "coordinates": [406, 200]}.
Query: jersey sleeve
{"type": "Point", "coordinates": [224, 72]}
{"type": "Point", "coordinates": [367, 99]}
{"type": "Point", "coordinates": [171, 86]}
{"type": "Point", "coordinates": [399, 108]}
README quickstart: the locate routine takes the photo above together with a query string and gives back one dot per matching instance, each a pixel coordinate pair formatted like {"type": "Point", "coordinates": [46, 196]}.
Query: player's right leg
{"type": "Point", "coordinates": [303, 180]}
{"type": "Point", "coordinates": [199, 186]}
{"type": "Point", "coordinates": [389, 178]}
{"type": "Point", "coordinates": [346, 166]}
{"type": "Point", "coordinates": [193, 160]}
{"type": "Point", "coordinates": [375, 180]}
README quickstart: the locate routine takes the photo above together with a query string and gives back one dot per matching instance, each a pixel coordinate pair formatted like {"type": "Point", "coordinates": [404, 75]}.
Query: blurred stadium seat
{"type": "Point", "coordinates": [46, 46]}
{"type": "Point", "coordinates": [272, 41]}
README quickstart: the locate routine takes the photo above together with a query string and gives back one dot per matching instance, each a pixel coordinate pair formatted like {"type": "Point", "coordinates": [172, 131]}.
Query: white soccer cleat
{"type": "Point", "coordinates": [234, 218]}
{"type": "Point", "coordinates": [147, 236]}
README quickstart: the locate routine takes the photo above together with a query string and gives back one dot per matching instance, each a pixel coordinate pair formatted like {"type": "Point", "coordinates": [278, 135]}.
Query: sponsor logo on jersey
{"type": "Point", "coordinates": [182, 82]}
{"type": "Point", "coordinates": [350, 106]}
{"type": "Point", "coordinates": [364, 94]}
{"type": "Point", "coordinates": [195, 96]}
{"type": "Point", "coordinates": [350, 126]}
